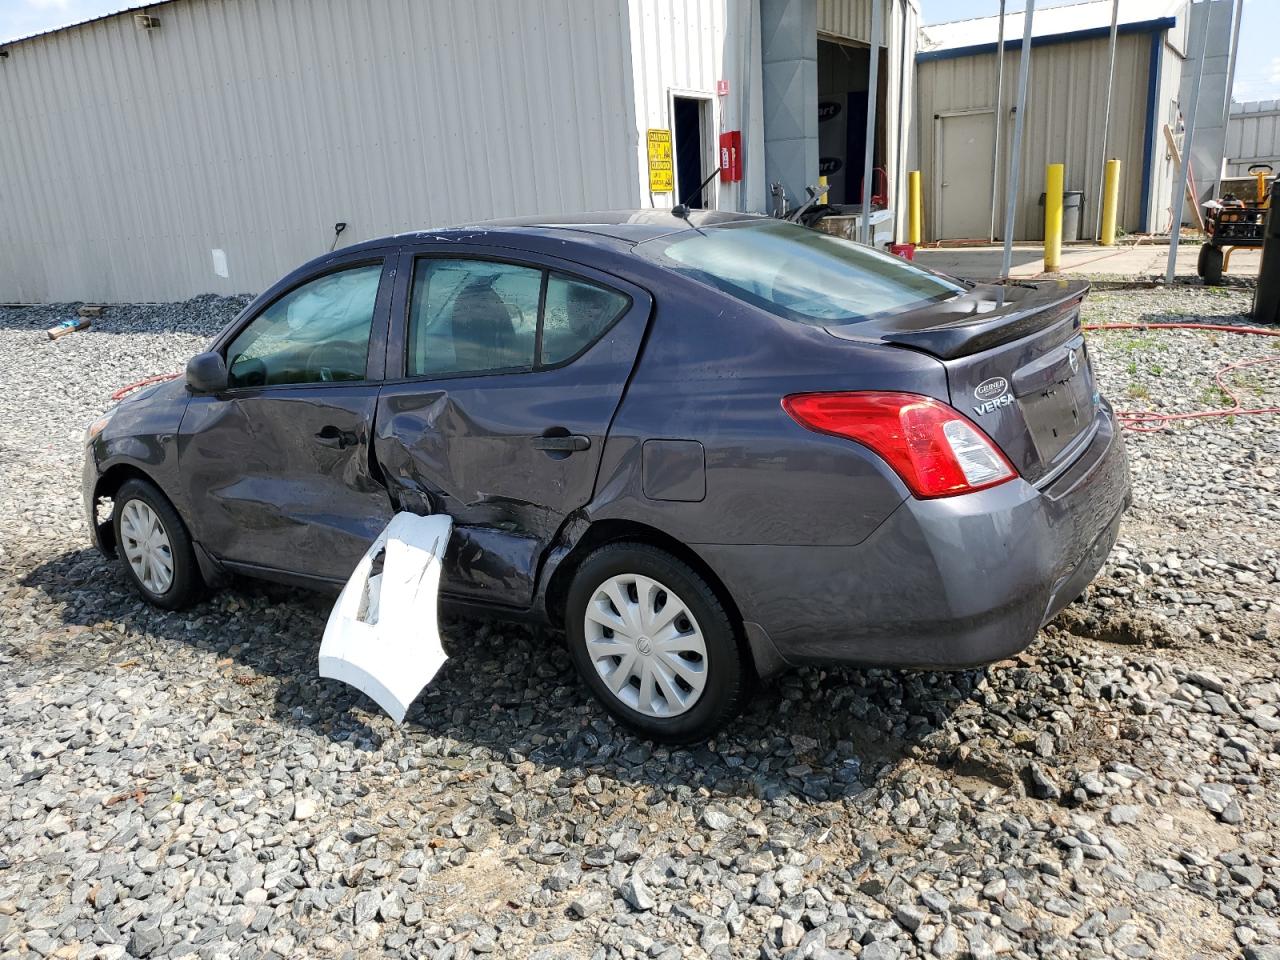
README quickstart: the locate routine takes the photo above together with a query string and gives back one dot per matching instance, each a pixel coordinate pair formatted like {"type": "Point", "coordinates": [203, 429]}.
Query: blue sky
{"type": "Point", "coordinates": [1257, 73]}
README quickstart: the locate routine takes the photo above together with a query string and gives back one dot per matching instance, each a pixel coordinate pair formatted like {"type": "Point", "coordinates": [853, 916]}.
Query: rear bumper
{"type": "Point", "coordinates": [941, 584]}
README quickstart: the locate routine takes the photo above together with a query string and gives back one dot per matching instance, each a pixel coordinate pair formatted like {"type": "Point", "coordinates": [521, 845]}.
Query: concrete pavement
{"type": "Point", "coordinates": [1142, 260]}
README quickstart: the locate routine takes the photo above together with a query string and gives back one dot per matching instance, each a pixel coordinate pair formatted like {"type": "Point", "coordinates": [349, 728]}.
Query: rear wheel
{"type": "Point", "coordinates": [1209, 266]}
{"type": "Point", "coordinates": [153, 545]}
{"type": "Point", "coordinates": [654, 643]}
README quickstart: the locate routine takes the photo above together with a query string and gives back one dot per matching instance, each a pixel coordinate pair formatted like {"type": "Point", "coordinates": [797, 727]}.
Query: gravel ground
{"type": "Point", "coordinates": [182, 785]}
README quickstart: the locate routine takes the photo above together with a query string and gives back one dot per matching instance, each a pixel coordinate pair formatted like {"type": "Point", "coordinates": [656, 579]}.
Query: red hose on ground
{"type": "Point", "coordinates": [1151, 421]}
{"type": "Point", "coordinates": [144, 382]}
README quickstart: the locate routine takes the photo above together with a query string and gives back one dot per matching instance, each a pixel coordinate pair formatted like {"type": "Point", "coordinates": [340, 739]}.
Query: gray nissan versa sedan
{"type": "Point", "coordinates": [706, 448]}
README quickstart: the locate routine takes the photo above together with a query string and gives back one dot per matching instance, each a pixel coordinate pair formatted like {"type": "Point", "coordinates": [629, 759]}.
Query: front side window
{"type": "Point", "coordinates": [798, 273]}
{"type": "Point", "coordinates": [316, 333]}
{"type": "Point", "coordinates": [483, 316]}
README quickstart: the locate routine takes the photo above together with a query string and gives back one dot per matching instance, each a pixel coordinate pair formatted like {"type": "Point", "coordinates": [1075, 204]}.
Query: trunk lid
{"type": "Point", "coordinates": [1016, 365]}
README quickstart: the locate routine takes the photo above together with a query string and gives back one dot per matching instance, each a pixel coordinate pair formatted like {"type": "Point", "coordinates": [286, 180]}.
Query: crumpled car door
{"type": "Point", "coordinates": [508, 455]}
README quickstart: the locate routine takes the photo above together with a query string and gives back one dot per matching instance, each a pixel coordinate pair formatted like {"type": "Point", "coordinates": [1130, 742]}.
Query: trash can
{"type": "Point", "coordinates": [1072, 203]}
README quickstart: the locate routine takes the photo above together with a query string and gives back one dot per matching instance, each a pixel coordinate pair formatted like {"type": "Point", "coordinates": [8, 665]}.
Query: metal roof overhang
{"type": "Point", "coordinates": [1145, 26]}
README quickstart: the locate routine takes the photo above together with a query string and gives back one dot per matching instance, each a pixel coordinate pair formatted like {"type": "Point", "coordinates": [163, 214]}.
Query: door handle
{"type": "Point", "coordinates": [572, 443]}
{"type": "Point", "coordinates": [331, 436]}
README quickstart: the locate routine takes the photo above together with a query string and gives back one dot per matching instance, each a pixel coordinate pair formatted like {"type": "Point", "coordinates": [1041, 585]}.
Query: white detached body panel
{"type": "Point", "coordinates": [383, 635]}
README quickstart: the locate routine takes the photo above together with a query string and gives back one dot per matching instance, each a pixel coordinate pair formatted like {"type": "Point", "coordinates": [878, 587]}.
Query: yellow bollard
{"type": "Point", "coordinates": [1110, 200]}
{"type": "Point", "coordinates": [822, 189]}
{"type": "Point", "coordinates": [915, 208]}
{"type": "Point", "coordinates": [1053, 218]}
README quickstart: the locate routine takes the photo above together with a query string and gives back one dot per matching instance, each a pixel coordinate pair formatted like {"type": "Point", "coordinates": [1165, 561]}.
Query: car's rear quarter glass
{"type": "Point", "coordinates": [575, 314]}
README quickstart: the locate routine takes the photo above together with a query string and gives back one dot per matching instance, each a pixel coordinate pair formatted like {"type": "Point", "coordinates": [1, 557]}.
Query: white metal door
{"type": "Point", "coordinates": [964, 175]}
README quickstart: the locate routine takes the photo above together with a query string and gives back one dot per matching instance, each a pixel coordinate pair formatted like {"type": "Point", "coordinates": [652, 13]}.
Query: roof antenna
{"type": "Point", "coordinates": [337, 232]}
{"type": "Point", "coordinates": [681, 210]}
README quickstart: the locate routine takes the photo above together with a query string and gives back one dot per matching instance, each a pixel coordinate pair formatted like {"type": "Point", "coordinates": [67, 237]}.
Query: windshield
{"type": "Point", "coordinates": [799, 273]}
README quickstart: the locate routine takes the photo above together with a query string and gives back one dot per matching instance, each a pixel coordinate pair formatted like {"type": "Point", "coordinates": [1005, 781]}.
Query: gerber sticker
{"type": "Point", "coordinates": [991, 395]}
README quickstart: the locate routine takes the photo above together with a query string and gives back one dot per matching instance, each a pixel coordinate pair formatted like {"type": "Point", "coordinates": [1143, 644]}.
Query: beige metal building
{"type": "Point", "coordinates": [195, 146]}
{"type": "Point", "coordinates": [1066, 97]}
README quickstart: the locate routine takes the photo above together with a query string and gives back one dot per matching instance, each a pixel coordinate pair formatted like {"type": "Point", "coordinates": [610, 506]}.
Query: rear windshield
{"type": "Point", "coordinates": [799, 273]}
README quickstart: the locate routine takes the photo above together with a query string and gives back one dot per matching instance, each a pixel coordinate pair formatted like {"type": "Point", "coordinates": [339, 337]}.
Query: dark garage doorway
{"type": "Point", "coordinates": [843, 68]}
{"type": "Point", "coordinates": [691, 123]}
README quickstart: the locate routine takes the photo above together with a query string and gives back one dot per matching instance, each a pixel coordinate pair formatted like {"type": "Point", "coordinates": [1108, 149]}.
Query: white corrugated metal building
{"type": "Point", "coordinates": [195, 146]}
{"type": "Point", "coordinates": [1066, 97]}
{"type": "Point", "coordinates": [1253, 136]}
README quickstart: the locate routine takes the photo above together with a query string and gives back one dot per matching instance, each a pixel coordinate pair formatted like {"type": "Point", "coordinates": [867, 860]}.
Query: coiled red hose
{"type": "Point", "coordinates": [144, 382]}
{"type": "Point", "coordinates": [1151, 421]}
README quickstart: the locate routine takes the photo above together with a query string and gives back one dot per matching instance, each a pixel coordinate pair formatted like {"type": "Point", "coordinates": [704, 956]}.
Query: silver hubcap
{"type": "Point", "coordinates": [146, 546]}
{"type": "Point", "coordinates": [646, 645]}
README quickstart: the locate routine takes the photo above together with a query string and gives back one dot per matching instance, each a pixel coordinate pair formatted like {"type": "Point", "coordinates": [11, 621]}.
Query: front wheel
{"type": "Point", "coordinates": [153, 544]}
{"type": "Point", "coordinates": [654, 643]}
{"type": "Point", "coordinates": [1209, 265]}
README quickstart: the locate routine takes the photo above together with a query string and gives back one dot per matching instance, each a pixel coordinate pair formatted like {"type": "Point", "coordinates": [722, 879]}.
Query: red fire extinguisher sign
{"type": "Point", "coordinates": [731, 156]}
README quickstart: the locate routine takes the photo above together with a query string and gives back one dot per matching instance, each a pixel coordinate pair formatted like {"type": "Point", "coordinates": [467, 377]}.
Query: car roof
{"type": "Point", "coordinates": [633, 226]}
{"type": "Point", "coordinates": [622, 227]}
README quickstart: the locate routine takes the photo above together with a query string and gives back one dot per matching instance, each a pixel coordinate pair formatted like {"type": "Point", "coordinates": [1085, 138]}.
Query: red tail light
{"type": "Point", "coordinates": [936, 451]}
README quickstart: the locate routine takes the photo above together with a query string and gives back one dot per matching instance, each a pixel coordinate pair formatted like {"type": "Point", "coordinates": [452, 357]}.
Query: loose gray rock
{"type": "Point", "coordinates": [186, 775]}
{"type": "Point", "coordinates": [880, 950]}
{"type": "Point", "coordinates": [636, 893]}
{"type": "Point", "coordinates": [145, 941]}
{"type": "Point", "coordinates": [1122, 813]}
{"type": "Point", "coordinates": [589, 902]}
{"type": "Point", "coordinates": [1041, 785]}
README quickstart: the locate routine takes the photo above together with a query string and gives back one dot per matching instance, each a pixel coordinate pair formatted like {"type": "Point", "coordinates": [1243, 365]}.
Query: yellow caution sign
{"type": "Point", "coordinates": [662, 177]}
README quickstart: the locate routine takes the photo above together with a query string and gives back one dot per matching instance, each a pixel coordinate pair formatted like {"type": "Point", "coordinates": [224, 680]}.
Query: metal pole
{"type": "Point", "coordinates": [915, 209]}
{"type": "Point", "coordinates": [1110, 200]}
{"type": "Point", "coordinates": [995, 150]}
{"type": "Point", "coordinates": [904, 71]}
{"type": "Point", "coordinates": [1011, 206]}
{"type": "Point", "coordinates": [864, 229]}
{"type": "Point", "coordinates": [1106, 117]}
{"type": "Point", "coordinates": [1231, 76]}
{"type": "Point", "coordinates": [1053, 176]}
{"type": "Point", "coordinates": [1180, 190]}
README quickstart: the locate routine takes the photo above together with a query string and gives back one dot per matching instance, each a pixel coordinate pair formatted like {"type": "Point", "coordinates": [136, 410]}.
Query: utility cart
{"type": "Point", "coordinates": [1232, 222]}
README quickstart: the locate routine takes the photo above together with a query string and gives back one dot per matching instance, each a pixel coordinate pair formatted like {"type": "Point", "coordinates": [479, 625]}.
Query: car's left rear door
{"type": "Point", "coordinates": [276, 470]}
{"type": "Point", "coordinates": [504, 371]}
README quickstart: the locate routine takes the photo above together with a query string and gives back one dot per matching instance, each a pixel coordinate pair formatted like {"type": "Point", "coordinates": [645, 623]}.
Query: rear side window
{"type": "Point", "coordinates": [316, 333]}
{"type": "Point", "coordinates": [472, 316]}
{"type": "Point", "coordinates": [798, 273]}
{"type": "Point", "coordinates": [575, 315]}
{"type": "Point", "coordinates": [483, 316]}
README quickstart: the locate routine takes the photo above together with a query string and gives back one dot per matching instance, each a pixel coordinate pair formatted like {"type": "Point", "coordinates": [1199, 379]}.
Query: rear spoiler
{"type": "Point", "coordinates": [975, 332]}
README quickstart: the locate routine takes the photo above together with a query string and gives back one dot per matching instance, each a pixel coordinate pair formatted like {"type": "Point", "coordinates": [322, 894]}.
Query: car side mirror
{"type": "Point", "coordinates": [207, 373]}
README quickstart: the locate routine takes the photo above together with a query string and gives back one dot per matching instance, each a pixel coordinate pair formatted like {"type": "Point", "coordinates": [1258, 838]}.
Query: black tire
{"type": "Point", "coordinates": [1209, 265]}
{"type": "Point", "coordinates": [186, 585]}
{"type": "Point", "coordinates": [726, 667]}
